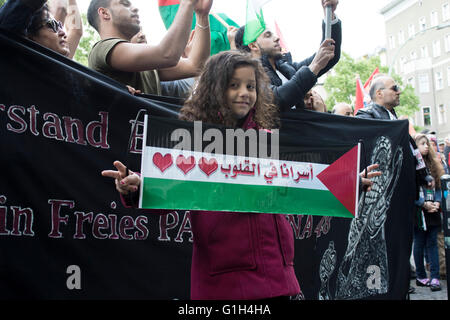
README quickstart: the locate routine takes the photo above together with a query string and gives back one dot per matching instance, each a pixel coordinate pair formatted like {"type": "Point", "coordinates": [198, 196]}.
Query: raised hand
{"type": "Point", "coordinates": [323, 56]}
{"type": "Point", "coordinates": [203, 7]}
{"type": "Point", "coordinates": [332, 3]}
{"type": "Point", "coordinates": [124, 183]}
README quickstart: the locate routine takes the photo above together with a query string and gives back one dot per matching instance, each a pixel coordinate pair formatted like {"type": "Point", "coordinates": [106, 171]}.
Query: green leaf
{"type": "Point", "coordinates": [341, 84]}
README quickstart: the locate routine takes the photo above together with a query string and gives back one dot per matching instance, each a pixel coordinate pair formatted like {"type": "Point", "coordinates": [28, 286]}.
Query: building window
{"type": "Point", "coordinates": [426, 112]}
{"type": "Point", "coordinates": [447, 43]}
{"type": "Point", "coordinates": [436, 48]}
{"type": "Point", "coordinates": [448, 76]}
{"type": "Point", "coordinates": [442, 114]}
{"type": "Point", "coordinates": [411, 30]}
{"type": "Point", "coordinates": [439, 80]}
{"type": "Point", "coordinates": [413, 55]}
{"type": "Point", "coordinates": [424, 52]}
{"type": "Point", "coordinates": [434, 21]}
{"type": "Point", "coordinates": [424, 83]}
{"type": "Point", "coordinates": [401, 37]}
{"type": "Point", "coordinates": [422, 23]}
{"type": "Point", "coordinates": [445, 12]}
{"type": "Point", "coordinates": [392, 42]}
{"type": "Point", "coordinates": [402, 64]}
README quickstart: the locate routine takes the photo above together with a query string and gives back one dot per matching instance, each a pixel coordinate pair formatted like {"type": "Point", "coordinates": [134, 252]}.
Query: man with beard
{"type": "Point", "coordinates": [143, 66]}
{"type": "Point", "coordinates": [290, 81]}
{"type": "Point", "coordinates": [385, 95]}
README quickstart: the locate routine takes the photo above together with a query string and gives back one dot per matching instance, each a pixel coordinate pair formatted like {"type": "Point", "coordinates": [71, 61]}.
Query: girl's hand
{"type": "Point", "coordinates": [124, 183]}
{"type": "Point", "coordinates": [430, 207]}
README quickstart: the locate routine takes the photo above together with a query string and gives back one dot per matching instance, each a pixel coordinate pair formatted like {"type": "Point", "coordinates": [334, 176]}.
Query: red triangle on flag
{"type": "Point", "coordinates": [341, 178]}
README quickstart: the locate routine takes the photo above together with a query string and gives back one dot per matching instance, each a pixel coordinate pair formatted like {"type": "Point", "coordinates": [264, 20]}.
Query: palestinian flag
{"type": "Point", "coordinates": [219, 40]}
{"type": "Point", "coordinates": [196, 178]}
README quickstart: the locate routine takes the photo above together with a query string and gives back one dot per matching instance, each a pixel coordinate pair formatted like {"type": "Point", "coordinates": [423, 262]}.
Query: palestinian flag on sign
{"type": "Point", "coordinates": [219, 40]}
{"type": "Point", "coordinates": [197, 179]}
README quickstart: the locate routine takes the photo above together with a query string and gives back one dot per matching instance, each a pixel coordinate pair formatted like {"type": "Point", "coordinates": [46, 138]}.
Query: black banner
{"type": "Point", "coordinates": [65, 235]}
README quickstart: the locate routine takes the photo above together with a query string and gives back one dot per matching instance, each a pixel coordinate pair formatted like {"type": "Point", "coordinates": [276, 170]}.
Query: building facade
{"type": "Point", "coordinates": [418, 49]}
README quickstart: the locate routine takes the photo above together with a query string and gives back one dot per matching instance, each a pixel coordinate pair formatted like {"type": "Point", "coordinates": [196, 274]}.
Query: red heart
{"type": "Point", "coordinates": [162, 162]}
{"type": "Point", "coordinates": [185, 164]}
{"type": "Point", "coordinates": [208, 166]}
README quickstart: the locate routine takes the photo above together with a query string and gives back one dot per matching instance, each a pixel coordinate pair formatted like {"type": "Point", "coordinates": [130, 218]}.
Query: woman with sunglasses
{"type": "Point", "coordinates": [32, 19]}
{"type": "Point", "coordinates": [68, 13]}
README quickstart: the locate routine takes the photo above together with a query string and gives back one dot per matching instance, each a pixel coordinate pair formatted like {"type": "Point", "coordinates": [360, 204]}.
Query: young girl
{"type": "Point", "coordinates": [428, 220]}
{"type": "Point", "coordinates": [235, 255]}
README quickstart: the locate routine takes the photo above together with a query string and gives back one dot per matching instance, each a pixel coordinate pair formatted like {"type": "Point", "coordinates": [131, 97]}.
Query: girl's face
{"type": "Point", "coordinates": [241, 93]}
{"type": "Point", "coordinates": [423, 146]}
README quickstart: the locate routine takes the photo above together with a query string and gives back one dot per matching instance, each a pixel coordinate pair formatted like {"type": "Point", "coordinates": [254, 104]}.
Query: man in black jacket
{"type": "Point", "coordinates": [290, 81]}
{"type": "Point", "coordinates": [385, 95]}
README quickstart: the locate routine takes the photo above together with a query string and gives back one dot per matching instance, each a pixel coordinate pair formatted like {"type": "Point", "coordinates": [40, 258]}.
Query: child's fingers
{"type": "Point", "coordinates": [111, 174]}
{"type": "Point", "coordinates": [131, 180]}
{"type": "Point", "coordinates": [121, 168]}
{"type": "Point", "coordinates": [128, 184]}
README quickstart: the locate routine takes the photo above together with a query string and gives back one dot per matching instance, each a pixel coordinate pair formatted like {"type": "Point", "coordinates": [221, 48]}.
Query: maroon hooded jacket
{"type": "Point", "coordinates": [242, 256]}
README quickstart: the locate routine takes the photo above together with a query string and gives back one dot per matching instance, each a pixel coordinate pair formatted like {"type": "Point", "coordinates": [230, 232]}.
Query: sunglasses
{"type": "Point", "coordinates": [395, 88]}
{"type": "Point", "coordinates": [54, 25]}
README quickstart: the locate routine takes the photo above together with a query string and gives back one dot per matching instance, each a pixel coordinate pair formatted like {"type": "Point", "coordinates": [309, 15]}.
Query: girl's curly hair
{"type": "Point", "coordinates": [431, 160]}
{"type": "Point", "coordinates": [207, 102]}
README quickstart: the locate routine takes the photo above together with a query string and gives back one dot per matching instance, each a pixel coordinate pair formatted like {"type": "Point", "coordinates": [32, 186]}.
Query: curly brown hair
{"type": "Point", "coordinates": [431, 160]}
{"type": "Point", "coordinates": [207, 102]}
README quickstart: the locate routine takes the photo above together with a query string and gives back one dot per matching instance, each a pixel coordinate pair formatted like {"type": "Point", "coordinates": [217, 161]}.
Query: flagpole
{"type": "Point", "coordinates": [215, 15]}
{"type": "Point", "coordinates": [328, 15]}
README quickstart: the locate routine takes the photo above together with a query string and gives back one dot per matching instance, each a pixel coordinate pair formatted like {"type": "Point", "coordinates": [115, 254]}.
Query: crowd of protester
{"type": "Point", "coordinates": [246, 87]}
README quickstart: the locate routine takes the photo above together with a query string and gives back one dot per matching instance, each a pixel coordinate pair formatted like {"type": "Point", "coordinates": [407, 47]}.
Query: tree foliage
{"type": "Point", "coordinates": [89, 38]}
{"type": "Point", "coordinates": [2, 2]}
{"type": "Point", "coordinates": [341, 84]}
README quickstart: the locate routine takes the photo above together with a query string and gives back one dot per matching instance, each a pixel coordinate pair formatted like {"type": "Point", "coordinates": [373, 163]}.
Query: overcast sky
{"type": "Point", "coordinates": [299, 21]}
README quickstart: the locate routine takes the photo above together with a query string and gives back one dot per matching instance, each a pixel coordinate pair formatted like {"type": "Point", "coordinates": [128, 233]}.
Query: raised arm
{"type": "Point", "coordinates": [74, 26]}
{"type": "Point", "coordinates": [336, 35]}
{"type": "Point", "coordinates": [131, 57]}
{"type": "Point", "coordinates": [58, 8]}
{"type": "Point", "coordinates": [67, 11]}
{"type": "Point", "coordinates": [200, 50]}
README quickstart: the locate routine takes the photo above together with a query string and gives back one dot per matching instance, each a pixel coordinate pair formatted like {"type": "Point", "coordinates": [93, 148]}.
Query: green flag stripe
{"type": "Point", "coordinates": [209, 196]}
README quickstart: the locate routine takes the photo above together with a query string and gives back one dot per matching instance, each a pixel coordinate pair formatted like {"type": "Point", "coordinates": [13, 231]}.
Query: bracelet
{"type": "Point", "coordinates": [202, 27]}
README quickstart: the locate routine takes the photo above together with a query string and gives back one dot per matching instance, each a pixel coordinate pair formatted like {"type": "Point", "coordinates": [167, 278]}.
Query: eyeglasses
{"type": "Point", "coordinates": [54, 25]}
